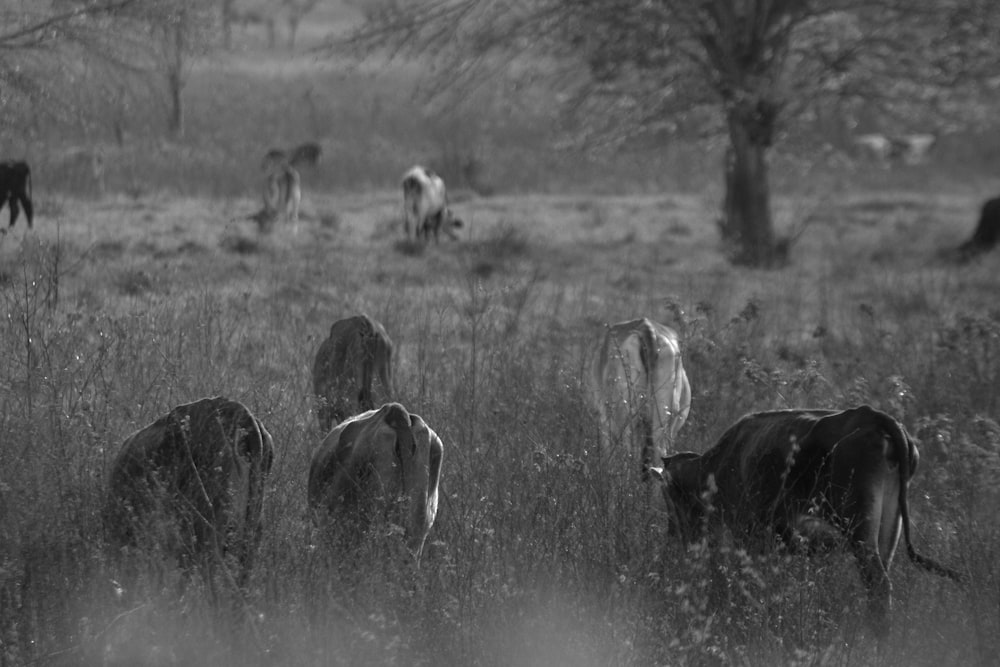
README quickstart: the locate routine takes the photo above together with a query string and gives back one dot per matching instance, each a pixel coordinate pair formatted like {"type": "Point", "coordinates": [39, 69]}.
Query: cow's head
{"type": "Point", "coordinates": [688, 501]}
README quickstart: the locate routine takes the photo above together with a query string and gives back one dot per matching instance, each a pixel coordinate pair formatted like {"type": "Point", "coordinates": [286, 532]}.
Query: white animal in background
{"type": "Point", "coordinates": [425, 205]}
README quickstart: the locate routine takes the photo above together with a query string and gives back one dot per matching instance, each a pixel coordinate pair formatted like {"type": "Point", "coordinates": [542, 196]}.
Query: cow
{"type": "Point", "coordinates": [357, 349]}
{"type": "Point", "coordinates": [381, 463]}
{"type": "Point", "coordinates": [878, 146]}
{"type": "Point", "coordinates": [425, 206]}
{"type": "Point", "coordinates": [15, 188]}
{"type": "Point", "coordinates": [987, 232]}
{"type": "Point", "coordinates": [192, 484]}
{"type": "Point", "coordinates": [282, 193]}
{"type": "Point", "coordinates": [638, 385]}
{"type": "Point", "coordinates": [913, 148]}
{"type": "Point", "coordinates": [816, 478]}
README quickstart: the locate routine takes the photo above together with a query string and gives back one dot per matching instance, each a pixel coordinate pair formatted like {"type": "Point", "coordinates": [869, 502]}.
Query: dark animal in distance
{"type": "Point", "coordinates": [357, 349]}
{"type": "Point", "coordinates": [425, 206]}
{"type": "Point", "coordinates": [814, 476]}
{"type": "Point", "coordinates": [192, 484]}
{"type": "Point", "coordinates": [303, 155]}
{"type": "Point", "coordinates": [381, 463]}
{"type": "Point", "coordinates": [639, 386]}
{"type": "Point", "coordinates": [15, 189]}
{"type": "Point", "coordinates": [987, 232]}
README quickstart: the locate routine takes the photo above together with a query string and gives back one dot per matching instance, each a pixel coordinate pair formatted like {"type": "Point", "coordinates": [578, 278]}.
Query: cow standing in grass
{"type": "Point", "coordinates": [425, 205]}
{"type": "Point", "coordinates": [15, 188]}
{"type": "Point", "coordinates": [813, 478]}
{"type": "Point", "coordinates": [380, 466]}
{"type": "Point", "coordinates": [191, 484]}
{"type": "Point", "coordinates": [357, 350]}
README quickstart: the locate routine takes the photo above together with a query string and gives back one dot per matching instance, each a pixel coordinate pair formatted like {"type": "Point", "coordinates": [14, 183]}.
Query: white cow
{"type": "Point", "coordinates": [425, 205]}
{"type": "Point", "coordinates": [282, 193]}
{"type": "Point", "coordinates": [380, 466]}
{"type": "Point", "coordinates": [638, 385]}
{"type": "Point", "coordinates": [877, 146]}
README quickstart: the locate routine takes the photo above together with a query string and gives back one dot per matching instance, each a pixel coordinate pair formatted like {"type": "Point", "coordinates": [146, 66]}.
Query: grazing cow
{"type": "Point", "coordinates": [192, 482]}
{"type": "Point", "coordinates": [877, 146]}
{"type": "Point", "coordinates": [425, 205]}
{"type": "Point", "coordinates": [385, 458]}
{"type": "Point", "coordinates": [282, 195]}
{"type": "Point", "coordinates": [913, 148]}
{"type": "Point", "coordinates": [357, 349]}
{"type": "Point", "coordinates": [15, 187]}
{"type": "Point", "coordinates": [987, 232]}
{"type": "Point", "coordinates": [638, 384]}
{"type": "Point", "coordinates": [812, 476]}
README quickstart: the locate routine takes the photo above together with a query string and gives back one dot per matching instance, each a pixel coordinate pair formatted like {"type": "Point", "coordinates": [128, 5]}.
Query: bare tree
{"type": "Point", "coordinates": [743, 69]}
{"type": "Point", "coordinates": [46, 46]}
{"type": "Point", "coordinates": [297, 10]}
{"type": "Point", "coordinates": [180, 30]}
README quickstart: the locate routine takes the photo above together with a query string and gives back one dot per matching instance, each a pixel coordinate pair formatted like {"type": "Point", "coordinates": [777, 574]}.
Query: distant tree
{"type": "Point", "coordinates": [743, 69]}
{"type": "Point", "coordinates": [297, 10]}
{"type": "Point", "coordinates": [180, 30]}
{"type": "Point", "coordinates": [45, 47]}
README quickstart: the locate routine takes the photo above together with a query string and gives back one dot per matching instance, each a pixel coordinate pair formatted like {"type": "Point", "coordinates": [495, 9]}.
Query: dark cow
{"type": "Point", "coordinates": [357, 349]}
{"type": "Point", "coordinates": [192, 483]}
{"type": "Point", "coordinates": [303, 155]}
{"type": "Point", "coordinates": [381, 463]}
{"type": "Point", "coordinates": [15, 188]}
{"type": "Point", "coordinates": [805, 476]}
{"type": "Point", "coordinates": [987, 231]}
{"type": "Point", "coordinates": [425, 205]}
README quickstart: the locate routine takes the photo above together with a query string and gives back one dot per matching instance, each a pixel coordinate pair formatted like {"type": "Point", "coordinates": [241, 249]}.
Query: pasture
{"type": "Point", "coordinates": [118, 309]}
{"type": "Point", "coordinates": [147, 287]}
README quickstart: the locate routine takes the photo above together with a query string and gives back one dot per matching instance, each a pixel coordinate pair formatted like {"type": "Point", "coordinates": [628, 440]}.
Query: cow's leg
{"type": "Point", "coordinates": [29, 211]}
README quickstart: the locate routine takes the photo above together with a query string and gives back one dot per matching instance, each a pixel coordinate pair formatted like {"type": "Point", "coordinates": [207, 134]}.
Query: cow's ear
{"type": "Point", "coordinates": [657, 474]}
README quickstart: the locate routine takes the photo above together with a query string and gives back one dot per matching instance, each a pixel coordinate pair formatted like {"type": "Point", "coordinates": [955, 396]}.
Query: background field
{"type": "Point", "coordinates": [155, 291]}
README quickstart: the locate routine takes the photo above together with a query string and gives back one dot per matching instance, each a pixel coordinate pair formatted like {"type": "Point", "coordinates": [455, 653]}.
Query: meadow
{"type": "Point", "coordinates": [124, 302]}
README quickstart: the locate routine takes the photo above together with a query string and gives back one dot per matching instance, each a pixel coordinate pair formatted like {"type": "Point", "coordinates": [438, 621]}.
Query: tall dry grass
{"type": "Point", "coordinates": [543, 552]}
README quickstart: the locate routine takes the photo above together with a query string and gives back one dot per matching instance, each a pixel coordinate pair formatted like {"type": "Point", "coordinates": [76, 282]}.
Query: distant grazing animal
{"type": "Point", "coordinates": [908, 148]}
{"type": "Point", "coordinates": [15, 187]}
{"type": "Point", "coordinates": [381, 463]}
{"type": "Point", "coordinates": [425, 205]}
{"type": "Point", "coordinates": [877, 146]}
{"type": "Point", "coordinates": [357, 349]}
{"type": "Point", "coordinates": [639, 387]}
{"type": "Point", "coordinates": [303, 155]}
{"type": "Point", "coordinates": [820, 477]}
{"type": "Point", "coordinates": [282, 195]}
{"type": "Point", "coordinates": [192, 483]}
{"type": "Point", "coordinates": [987, 231]}
{"type": "Point", "coordinates": [913, 148]}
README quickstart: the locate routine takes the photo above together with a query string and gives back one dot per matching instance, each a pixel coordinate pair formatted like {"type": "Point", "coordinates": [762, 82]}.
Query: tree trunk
{"type": "Point", "coordinates": [746, 225]}
{"type": "Point", "coordinates": [175, 82]}
{"type": "Point", "coordinates": [293, 28]}
{"type": "Point", "coordinates": [227, 24]}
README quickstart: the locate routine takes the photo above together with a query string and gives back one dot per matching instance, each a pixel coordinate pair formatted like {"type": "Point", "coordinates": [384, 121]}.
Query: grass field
{"type": "Point", "coordinates": [542, 553]}
{"type": "Point", "coordinates": [120, 305]}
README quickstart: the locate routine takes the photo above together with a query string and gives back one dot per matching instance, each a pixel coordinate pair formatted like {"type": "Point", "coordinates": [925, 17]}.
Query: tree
{"type": "Point", "coordinates": [180, 30]}
{"type": "Point", "coordinates": [297, 10]}
{"type": "Point", "coordinates": [47, 46]}
{"type": "Point", "coordinates": [744, 69]}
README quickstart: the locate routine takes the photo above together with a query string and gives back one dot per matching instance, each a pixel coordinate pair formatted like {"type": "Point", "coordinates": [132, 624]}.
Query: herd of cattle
{"type": "Point", "coordinates": [193, 481]}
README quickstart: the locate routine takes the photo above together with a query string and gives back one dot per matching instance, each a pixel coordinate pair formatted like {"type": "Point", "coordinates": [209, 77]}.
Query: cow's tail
{"type": "Point", "coordinates": [647, 357]}
{"type": "Point", "coordinates": [906, 456]}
